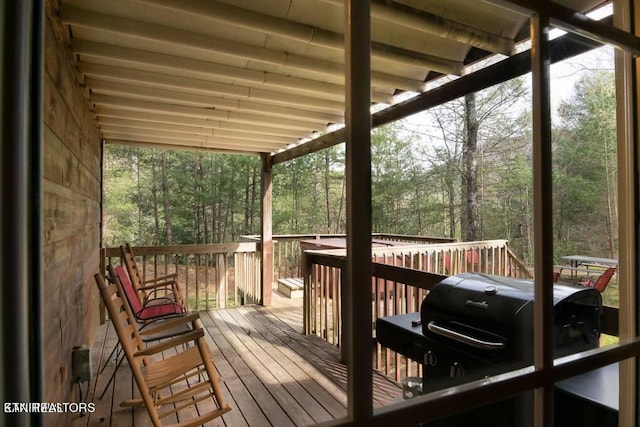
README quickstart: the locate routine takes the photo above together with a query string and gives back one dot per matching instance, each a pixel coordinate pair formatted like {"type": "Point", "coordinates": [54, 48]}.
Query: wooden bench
{"type": "Point", "coordinates": [292, 287]}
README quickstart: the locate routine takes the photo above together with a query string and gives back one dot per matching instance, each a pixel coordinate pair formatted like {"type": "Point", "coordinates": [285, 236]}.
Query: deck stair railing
{"type": "Point", "coordinates": [399, 285]}
{"type": "Point", "coordinates": [212, 275]}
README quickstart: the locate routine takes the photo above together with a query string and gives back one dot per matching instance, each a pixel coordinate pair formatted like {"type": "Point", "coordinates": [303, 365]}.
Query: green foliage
{"type": "Point", "coordinates": [585, 186]}
{"type": "Point", "coordinates": [209, 198]}
{"type": "Point", "coordinates": [396, 176]}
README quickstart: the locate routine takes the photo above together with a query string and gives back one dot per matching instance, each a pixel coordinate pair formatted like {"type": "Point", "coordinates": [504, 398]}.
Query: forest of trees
{"type": "Point", "coordinates": [463, 172]}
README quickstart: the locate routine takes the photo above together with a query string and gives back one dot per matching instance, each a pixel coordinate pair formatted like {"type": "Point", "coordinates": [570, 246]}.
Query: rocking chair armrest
{"type": "Point", "coordinates": [167, 284]}
{"type": "Point", "coordinates": [171, 277]}
{"type": "Point", "coordinates": [170, 324]}
{"type": "Point", "coordinates": [172, 343]}
{"type": "Point", "coordinates": [152, 299]}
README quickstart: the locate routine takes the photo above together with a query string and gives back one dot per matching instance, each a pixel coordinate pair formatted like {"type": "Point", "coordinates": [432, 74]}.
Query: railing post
{"type": "Point", "coordinates": [306, 296]}
{"type": "Point", "coordinates": [345, 341]}
{"type": "Point", "coordinates": [221, 270]}
{"type": "Point", "coordinates": [103, 268]}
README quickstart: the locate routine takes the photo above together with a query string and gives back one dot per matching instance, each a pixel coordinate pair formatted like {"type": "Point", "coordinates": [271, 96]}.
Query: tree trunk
{"type": "Point", "coordinates": [327, 192]}
{"type": "Point", "coordinates": [214, 200]}
{"type": "Point", "coordinates": [610, 194]}
{"type": "Point", "coordinates": [247, 202]}
{"type": "Point", "coordinates": [337, 228]}
{"type": "Point", "coordinates": [470, 169]}
{"type": "Point", "coordinates": [136, 162]}
{"type": "Point", "coordinates": [154, 195]}
{"type": "Point", "coordinates": [165, 199]}
{"type": "Point", "coordinates": [451, 204]}
{"type": "Point", "coordinates": [254, 200]}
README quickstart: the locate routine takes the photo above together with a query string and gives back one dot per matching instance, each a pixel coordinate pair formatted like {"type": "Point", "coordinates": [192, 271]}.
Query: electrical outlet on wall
{"type": "Point", "coordinates": [81, 364]}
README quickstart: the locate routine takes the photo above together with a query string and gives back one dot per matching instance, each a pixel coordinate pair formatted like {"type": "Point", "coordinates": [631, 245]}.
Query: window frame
{"type": "Point", "coordinates": [546, 371]}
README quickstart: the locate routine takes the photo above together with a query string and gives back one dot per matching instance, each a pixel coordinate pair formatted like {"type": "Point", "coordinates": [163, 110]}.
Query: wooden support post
{"type": "Point", "coordinates": [307, 296]}
{"type": "Point", "coordinates": [357, 285]}
{"type": "Point", "coordinates": [266, 230]}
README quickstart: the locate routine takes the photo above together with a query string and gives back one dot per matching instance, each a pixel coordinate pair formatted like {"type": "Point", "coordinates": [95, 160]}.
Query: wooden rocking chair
{"type": "Point", "coordinates": [156, 312]}
{"type": "Point", "coordinates": [159, 286]}
{"type": "Point", "coordinates": [149, 309]}
{"type": "Point", "coordinates": [172, 385]}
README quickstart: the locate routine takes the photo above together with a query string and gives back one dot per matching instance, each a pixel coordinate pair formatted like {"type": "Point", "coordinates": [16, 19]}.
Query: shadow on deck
{"type": "Point", "coordinates": [271, 374]}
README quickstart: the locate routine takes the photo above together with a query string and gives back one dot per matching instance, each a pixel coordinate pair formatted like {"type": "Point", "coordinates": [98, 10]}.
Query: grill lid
{"type": "Point", "coordinates": [498, 309]}
{"type": "Point", "coordinates": [477, 297]}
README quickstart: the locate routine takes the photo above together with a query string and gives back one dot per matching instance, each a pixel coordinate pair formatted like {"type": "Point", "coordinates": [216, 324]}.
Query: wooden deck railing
{"type": "Point", "coordinates": [401, 280]}
{"type": "Point", "coordinates": [211, 275]}
{"type": "Point", "coordinates": [286, 248]}
{"type": "Point", "coordinates": [222, 275]}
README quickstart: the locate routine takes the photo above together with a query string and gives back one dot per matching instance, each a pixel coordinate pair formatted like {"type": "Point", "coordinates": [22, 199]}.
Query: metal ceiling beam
{"type": "Point", "coordinates": [303, 33]}
{"type": "Point", "coordinates": [187, 84]}
{"type": "Point", "coordinates": [140, 124]}
{"type": "Point", "coordinates": [204, 142]}
{"type": "Point", "coordinates": [201, 113]}
{"type": "Point", "coordinates": [197, 68]}
{"type": "Point", "coordinates": [105, 113]}
{"type": "Point", "coordinates": [176, 147]}
{"type": "Point", "coordinates": [425, 22]}
{"type": "Point", "coordinates": [174, 63]}
{"type": "Point", "coordinates": [206, 101]}
{"type": "Point", "coordinates": [277, 141]}
{"type": "Point", "coordinates": [561, 48]}
{"type": "Point", "coordinates": [217, 46]}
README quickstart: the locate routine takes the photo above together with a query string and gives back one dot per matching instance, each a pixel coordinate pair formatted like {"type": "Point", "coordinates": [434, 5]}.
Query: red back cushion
{"type": "Point", "coordinates": [130, 293]}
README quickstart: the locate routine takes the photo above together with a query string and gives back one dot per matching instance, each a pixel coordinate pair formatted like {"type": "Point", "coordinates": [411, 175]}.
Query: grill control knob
{"type": "Point", "coordinates": [456, 371]}
{"type": "Point", "coordinates": [430, 359]}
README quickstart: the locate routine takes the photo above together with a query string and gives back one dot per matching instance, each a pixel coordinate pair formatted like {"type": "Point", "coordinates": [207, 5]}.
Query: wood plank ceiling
{"type": "Point", "coordinates": [252, 76]}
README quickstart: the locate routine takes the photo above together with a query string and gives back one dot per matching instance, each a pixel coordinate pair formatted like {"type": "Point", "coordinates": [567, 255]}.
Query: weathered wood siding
{"type": "Point", "coordinates": [71, 217]}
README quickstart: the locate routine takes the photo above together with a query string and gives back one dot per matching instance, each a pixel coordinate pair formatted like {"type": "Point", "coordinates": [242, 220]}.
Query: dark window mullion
{"type": "Point", "coordinates": [543, 215]}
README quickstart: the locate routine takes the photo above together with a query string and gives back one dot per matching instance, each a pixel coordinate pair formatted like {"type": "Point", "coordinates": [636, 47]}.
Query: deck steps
{"type": "Point", "coordinates": [291, 287]}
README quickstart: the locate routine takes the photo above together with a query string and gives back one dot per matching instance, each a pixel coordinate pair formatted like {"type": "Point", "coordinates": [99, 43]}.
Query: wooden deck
{"type": "Point", "coordinates": [272, 375]}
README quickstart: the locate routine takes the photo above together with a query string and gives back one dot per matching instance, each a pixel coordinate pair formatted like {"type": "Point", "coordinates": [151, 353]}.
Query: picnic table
{"type": "Point", "coordinates": [585, 264]}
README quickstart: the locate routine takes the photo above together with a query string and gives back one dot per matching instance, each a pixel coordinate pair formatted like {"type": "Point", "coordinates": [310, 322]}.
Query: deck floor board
{"type": "Point", "coordinates": [271, 374]}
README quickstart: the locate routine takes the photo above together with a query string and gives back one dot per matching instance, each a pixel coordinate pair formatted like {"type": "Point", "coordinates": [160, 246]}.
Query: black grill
{"type": "Point", "coordinates": [476, 325]}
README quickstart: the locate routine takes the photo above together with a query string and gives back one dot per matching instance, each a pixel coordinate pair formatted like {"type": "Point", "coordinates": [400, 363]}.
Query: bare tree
{"type": "Point", "coordinates": [470, 220]}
